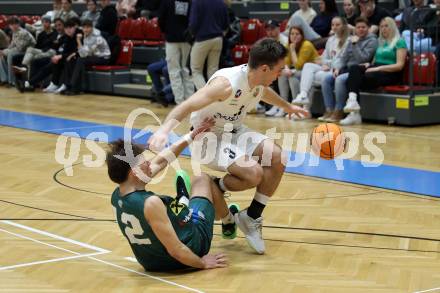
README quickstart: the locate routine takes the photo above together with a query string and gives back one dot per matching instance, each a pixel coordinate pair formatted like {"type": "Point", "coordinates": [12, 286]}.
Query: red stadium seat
{"type": "Point", "coordinates": [252, 31]}
{"type": "Point", "coordinates": [424, 69]}
{"type": "Point", "coordinates": [138, 31]}
{"type": "Point", "coordinates": [124, 30]}
{"type": "Point", "coordinates": [154, 36]}
{"type": "Point", "coordinates": [424, 72]}
{"type": "Point", "coordinates": [26, 19]}
{"type": "Point", "coordinates": [3, 24]}
{"type": "Point", "coordinates": [240, 54]}
{"type": "Point", "coordinates": [124, 58]}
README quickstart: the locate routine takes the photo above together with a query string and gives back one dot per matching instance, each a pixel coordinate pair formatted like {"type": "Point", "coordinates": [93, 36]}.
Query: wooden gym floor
{"type": "Point", "coordinates": [57, 232]}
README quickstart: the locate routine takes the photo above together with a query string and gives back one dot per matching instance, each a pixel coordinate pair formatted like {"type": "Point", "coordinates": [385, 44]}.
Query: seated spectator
{"type": "Point", "coordinates": [373, 13]}
{"type": "Point", "coordinates": [385, 69]}
{"type": "Point", "coordinates": [420, 15]}
{"type": "Point", "coordinates": [162, 91]}
{"type": "Point", "coordinates": [42, 49]}
{"type": "Point", "coordinates": [108, 19]}
{"type": "Point", "coordinates": [66, 49]}
{"type": "Point", "coordinates": [360, 49]}
{"type": "Point", "coordinates": [21, 40]}
{"type": "Point", "coordinates": [313, 73]}
{"type": "Point", "coordinates": [92, 50]}
{"type": "Point", "coordinates": [91, 13]}
{"type": "Point", "coordinates": [318, 31]}
{"type": "Point", "coordinates": [350, 13]}
{"type": "Point", "coordinates": [300, 52]}
{"type": "Point", "coordinates": [305, 11]}
{"type": "Point", "coordinates": [53, 14]}
{"type": "Point", "coordinates": [273, 32]}
{"type": "Point", "coordinates": [66, 12]}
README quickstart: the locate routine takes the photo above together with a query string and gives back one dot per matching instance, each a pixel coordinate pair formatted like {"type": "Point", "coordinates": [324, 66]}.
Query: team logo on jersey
{"type": "Point", "coordinates": [238, 94]}
{"type": "Point", "coordinates": [230, 118]}
{"type": "Point", "coordinates": [176, 207]}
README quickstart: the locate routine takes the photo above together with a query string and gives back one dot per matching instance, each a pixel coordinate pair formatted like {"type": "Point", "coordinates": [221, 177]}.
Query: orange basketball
{"type": "Point", "coordinates": [327, 141]}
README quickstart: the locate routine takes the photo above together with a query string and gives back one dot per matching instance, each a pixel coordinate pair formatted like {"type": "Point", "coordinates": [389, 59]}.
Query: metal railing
{"type": "Point", "coordinates": [423, 49]}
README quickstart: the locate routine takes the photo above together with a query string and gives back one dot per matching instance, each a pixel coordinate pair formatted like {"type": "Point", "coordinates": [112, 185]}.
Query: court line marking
{"type": "Point", "coordinates": [49, 261]}
{"type": "Point", "coordinates": [97, 249]}
{"type": "Point", "coordinates": [146, 275]}
{"type": "Point", "coordinates": [85, 245]}
{"type": "Point", "coordinates": [77, 254]}
{"type": "Point", "coordinates": [429, 290]}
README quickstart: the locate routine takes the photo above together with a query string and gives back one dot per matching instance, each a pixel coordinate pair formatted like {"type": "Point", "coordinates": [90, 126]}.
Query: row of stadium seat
{"type": "Point", "coordinates": [29, 19]}
{"type": "Point", "coordinates": [141, 31]}
{"type": "Point", "coordinates": [424, 65]}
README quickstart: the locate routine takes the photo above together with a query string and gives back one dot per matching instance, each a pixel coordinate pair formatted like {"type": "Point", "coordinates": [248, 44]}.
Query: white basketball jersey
{"type": "Point", "coordinates": [232, 110]}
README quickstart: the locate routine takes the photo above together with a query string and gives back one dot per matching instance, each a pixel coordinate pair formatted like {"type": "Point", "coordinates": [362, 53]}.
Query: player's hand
{"type": "Point", "coordinates": [335, 73]}
{"type": "Point", "coordinates": [212, 261]}
{"type": "Point", "coordinates": [205, 126]}
{"type": "Point", "coordinates": [157, 141]}
{"type": "Point", "coordinates": [296, 111]}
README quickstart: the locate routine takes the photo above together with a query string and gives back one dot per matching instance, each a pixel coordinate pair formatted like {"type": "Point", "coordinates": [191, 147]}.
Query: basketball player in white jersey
{"type": "Point", "coordinates": [227, 97]}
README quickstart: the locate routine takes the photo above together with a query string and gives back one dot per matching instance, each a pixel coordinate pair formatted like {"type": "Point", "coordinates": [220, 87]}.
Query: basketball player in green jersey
{"type": "Point", "coordinates": [163, 233]}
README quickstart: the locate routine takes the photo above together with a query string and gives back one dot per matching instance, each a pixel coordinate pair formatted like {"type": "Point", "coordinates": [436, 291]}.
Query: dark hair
{"type": "Point", "coordinates": [117, 168]}
{"type": "Point", "coordinates": [266, 51]}
{"type": "Point", "coordinates": [70, 1]}
{"type": "Point", "coordinates": [87, 22]}
{"type": "Point", "coordinates": [330, 7]}
{"type": "Point", "coordinates": [361, 19]}
{"type": "Point", "coordinates": [76, 20]}
{"type": "Point", "coordinates": [13, 20]}
{"type": "Point", "coordinates": [70, 23]}
{"type": "Point", "coordinates": [94, 2]}
{"type": "Point", "coordinates": [58, 19]}
{"type": "Point", "coordinates": [297, 46]}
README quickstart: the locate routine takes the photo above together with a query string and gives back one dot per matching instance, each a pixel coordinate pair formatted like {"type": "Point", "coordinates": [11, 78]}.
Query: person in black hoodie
{"type": "Point", "coordinates": [173, 21]}
{"type": "Point", "coordinates": [65, 50]}
{"type": "Point", "coordinates": [108, 20]}
{"type": "Point", "coordinates": [42, 49]}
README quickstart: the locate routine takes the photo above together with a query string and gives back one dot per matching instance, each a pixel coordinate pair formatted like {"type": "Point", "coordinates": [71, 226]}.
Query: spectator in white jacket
{"type": "Point", "coordinates": [314, 73]}
{"type": "Point", "coordinates": [305, 11]}
{"type": "Point", "coordinates": [92, 50]}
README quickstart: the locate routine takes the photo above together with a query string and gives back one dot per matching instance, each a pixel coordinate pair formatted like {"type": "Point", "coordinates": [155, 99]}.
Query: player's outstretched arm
{"type": "Point", "coordinates": [218, 89]}
{"type": "Point", "coordinates": [156, 215]}
{"type": "Point", "coordinates": [168, 155]}
{"type": "Point", "coordinates": [271, 97]}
